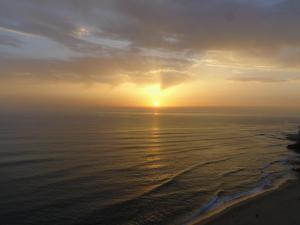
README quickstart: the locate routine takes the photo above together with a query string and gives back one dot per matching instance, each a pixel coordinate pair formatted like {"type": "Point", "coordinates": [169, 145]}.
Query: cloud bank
{"type": "Point", "coordinates": [141, 41]}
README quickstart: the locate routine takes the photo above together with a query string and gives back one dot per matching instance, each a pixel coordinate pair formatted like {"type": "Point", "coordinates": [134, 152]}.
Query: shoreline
{"type": "Point", "coordinates": [248, 210]}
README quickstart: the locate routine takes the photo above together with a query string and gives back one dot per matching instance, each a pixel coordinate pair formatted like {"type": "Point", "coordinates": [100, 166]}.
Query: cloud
{"type": "Point", "coordinates": [265, 76]}
{"type": "Point", "coordinates": [114, 69]}
{"type": "Point", "coordinates": [7, 40]}
{"type": "Point", "coordinates": [124, 40]}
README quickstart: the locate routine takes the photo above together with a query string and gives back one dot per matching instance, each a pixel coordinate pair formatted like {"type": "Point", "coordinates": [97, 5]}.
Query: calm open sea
{"type": "Point", "coordinates": [135, 166]}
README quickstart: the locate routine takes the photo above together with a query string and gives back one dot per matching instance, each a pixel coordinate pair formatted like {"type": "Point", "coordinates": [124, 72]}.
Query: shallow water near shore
{"type": "Point", "coordinates": [136, 166]}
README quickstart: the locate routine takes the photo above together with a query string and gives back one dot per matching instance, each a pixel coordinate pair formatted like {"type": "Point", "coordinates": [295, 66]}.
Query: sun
{"type": "Point", "coordinates": [156, 104]}
{"type": "Point", "coordinates": [154, 95]}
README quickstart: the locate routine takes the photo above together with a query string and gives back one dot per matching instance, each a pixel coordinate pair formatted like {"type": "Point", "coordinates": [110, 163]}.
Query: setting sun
{"type": "Point", "coordinates": [156, 104]}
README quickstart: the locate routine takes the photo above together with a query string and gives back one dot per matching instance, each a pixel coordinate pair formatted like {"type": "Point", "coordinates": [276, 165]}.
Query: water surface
{"type": "Point", "coordinates": [135, 167]}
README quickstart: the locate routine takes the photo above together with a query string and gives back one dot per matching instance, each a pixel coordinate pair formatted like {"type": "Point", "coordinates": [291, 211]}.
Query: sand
{"type": "Point", "coordinates": [280, 207]}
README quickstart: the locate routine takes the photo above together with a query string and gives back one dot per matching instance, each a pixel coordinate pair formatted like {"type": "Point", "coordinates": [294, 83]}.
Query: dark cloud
{"type": "Point", "coordinates": [197, 25]}
{"type": "Point", "coordinates": [7, 40]}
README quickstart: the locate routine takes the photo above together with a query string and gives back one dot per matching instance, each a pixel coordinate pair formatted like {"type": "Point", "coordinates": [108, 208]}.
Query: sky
{"type": "Point", "coordinates": [141, 53]}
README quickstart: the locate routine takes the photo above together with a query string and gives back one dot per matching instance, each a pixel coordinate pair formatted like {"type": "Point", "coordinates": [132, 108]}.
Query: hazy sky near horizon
{"type": "Point", "coordinates": [141, 52]}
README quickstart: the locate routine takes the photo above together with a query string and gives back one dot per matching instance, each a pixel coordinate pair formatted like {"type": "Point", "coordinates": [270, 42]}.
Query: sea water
{"type": "Point", "coordinates": [135, 166]}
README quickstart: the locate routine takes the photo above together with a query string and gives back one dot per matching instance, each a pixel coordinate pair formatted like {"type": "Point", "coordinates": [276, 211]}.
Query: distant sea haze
{"type": "Point", "coordinates": [136, 166]}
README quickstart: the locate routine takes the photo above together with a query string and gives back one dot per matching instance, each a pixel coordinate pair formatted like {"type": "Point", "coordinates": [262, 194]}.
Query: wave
{"type": "Point", "coordinates": [220, 201]}
{"type": "Point", "coordinates": [53, 173]}
{"type": "Point", "coordinates": [25, 162]}
{"type": "Point", "coordinates": [187, 170]}
{"type": "Point", "coordinates": [230, 172]}
{"type": "Point", "coordinates": [166, 182]}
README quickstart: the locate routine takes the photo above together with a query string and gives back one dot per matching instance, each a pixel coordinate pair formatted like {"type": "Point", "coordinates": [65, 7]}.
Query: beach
{"type": "Point", "coordinates": [279, 207]}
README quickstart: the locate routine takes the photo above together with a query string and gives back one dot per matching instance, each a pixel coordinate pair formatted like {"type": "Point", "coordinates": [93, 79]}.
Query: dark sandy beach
{"type": "Point", "coordinates": [279, 207]}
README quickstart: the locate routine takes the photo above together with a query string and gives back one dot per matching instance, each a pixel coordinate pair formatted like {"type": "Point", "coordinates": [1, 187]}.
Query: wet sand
{"type": "Point", "coordinates": [279, 207]}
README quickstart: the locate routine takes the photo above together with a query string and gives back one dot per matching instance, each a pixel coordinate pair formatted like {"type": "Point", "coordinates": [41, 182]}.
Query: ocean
{"type": "Point", "coordinates": [137, 167]}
